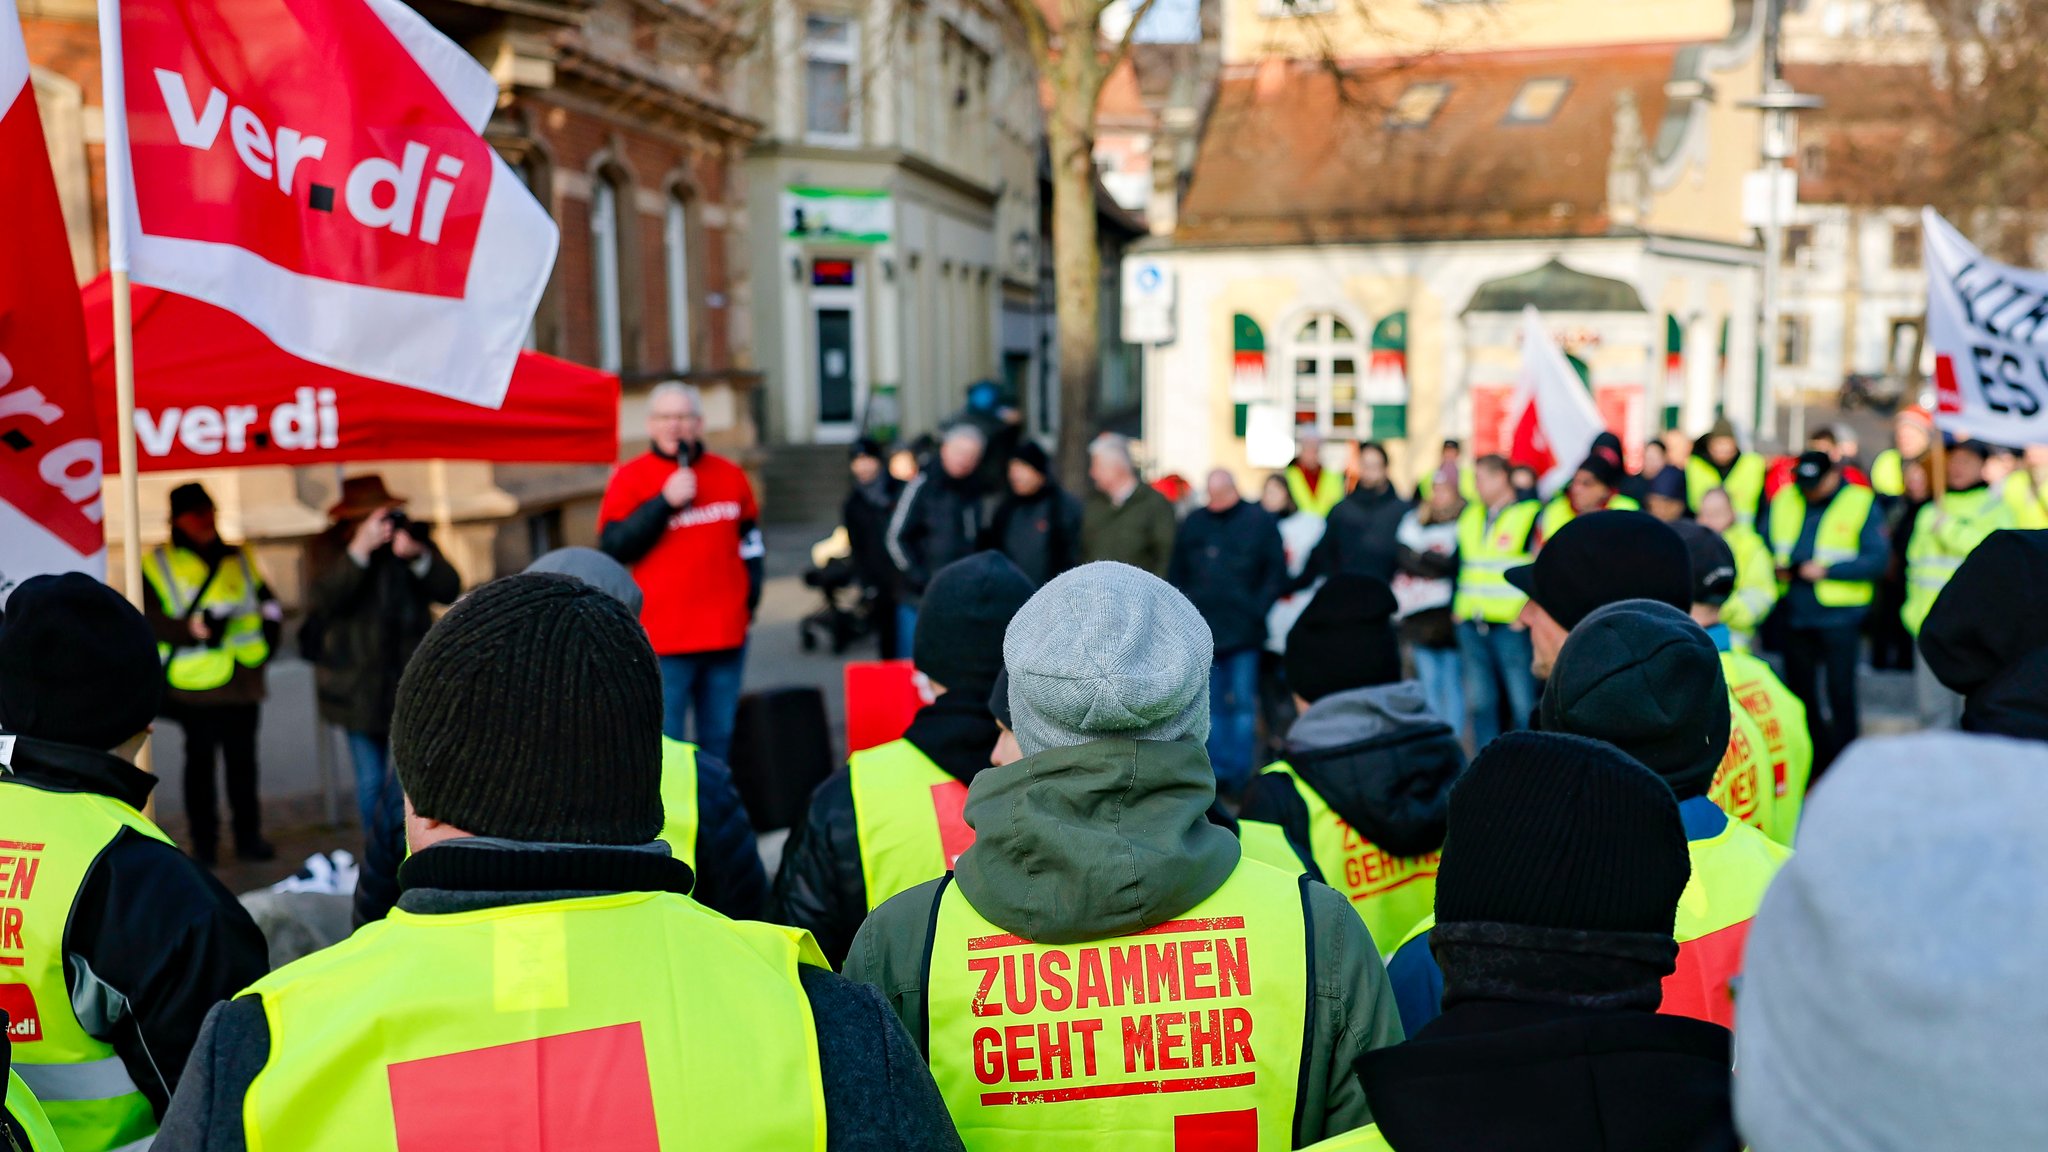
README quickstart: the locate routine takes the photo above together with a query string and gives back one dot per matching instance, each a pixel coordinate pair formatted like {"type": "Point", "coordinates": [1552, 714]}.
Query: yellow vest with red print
{"type": "Point", "coordinates": [49, 842]}
{"type": "Point", "coordinates": [1390, 893]}
{"type": "Point", "coordinates": [1486, 550]}
{"type": "Point", "coordinates": [1745, 785]}
{"type": "Point", "coordinates": [1730, 871]}
{"type": "Point", "coordinates": [907, 814]}
{"type": "Point", "coordinates": [1186, 1035]}
{"type": "Point", "coordinates": [1780, 719]}
{"type": "Point", "coordinates": [630, 1022]}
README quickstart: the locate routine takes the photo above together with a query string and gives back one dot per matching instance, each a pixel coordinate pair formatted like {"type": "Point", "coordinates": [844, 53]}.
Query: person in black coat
{"type": "Point", "coordinates": [1229, 562]}
{"type": "Point", "coordinates": [869, 505]}
{"type": "Point", "coordinates": [1361, 537]}
{"type": "Point", "coordinates": [938, 520]}
{"type": "Point", "coordinates": [1551, 989]}
{"type": "Point", "coordinates": [1038, 523]}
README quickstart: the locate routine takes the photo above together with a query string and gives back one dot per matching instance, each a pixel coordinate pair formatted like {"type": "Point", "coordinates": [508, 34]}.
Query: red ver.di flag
{"type": "Point", "coordinates": [50, 507]}
{"type": "Point", "coordinates": [1555, 431]}
{"type": "Point", "coordinates": [316, 167]}
{"type": "Point", "coordinates": [1988, 323]}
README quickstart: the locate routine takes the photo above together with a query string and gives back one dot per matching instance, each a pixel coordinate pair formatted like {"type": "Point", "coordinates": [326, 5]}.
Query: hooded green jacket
{"type": "Point", "coordinates": [1109, 838]}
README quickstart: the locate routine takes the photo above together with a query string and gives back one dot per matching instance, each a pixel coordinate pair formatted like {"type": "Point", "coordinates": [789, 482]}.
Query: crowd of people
{"type": "Point", "coordinates": [1108, 890]}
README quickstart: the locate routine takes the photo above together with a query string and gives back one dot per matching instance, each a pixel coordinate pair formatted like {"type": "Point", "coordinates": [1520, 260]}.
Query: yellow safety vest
{"type": "Point", "coordinates": [48, 843]}
{"type": "Point", "coordinates": [1366, 1139]}
{"type": "Point", "coordinates": [1390, 893]}
{"type": "Point", "coordinates": [1934, 553]}
{"type": "Point", "coordinates": [2027, 509]}
{"type": "Point", "coordinates": [1780, 719]}
{"type": "Point", "coordinates": [1468, 484]}
{"type": "Point", "coordinates": [1485, 553]}
{"type": "Point", "coordinates": [1840, 538]}
{"type": "Point", "coordinates": [1730, 871]}
{"type": "Point", "coordinates": [28, 1113]}
{"type": "Point", "coordinates": [176, 575]}
{"type": "Point", "coordinates": [1744, 483]}
{"type": "Point", "coordinates": [679, 799]}
{"type": "Point", "coordinates": [1268, 844]}
{"type": "Point", "coordinates": [1745, 785]}
{"type": "Point", "coordinates": [1317, 501]}
{"type": "Point", "coordinates": [1756, 584]}
{"type": "Point", "coordinates": [632, 1020]}
{"type": "Point", "coordinates": [907, 815]}
{"type": "Point", "coordinates": [1888, 473]}
{"type": "Point", "coordinates": [1190, 1031]}
{"type": "Point", "coordinates": [1558, 512]}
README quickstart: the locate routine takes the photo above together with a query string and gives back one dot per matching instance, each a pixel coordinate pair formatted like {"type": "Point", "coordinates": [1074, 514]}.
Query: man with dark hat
{"type": "Point", "coordinates": [1556, 908]}
{"type": "Point", "coordinates": [1595, 487]}
{"type": "Point", "coordinates": [1610, 557]}
{"type": "Point", "coordinates": [1779, 716]}
{"type": "Point", "coordinates": [1829, 543]}
{"type": "Point", "coordinates": [376, 577]}
{"type": "Point", "coordinates": [1987, 636]}
{"type": "Point", "coordinates": [113, 944]}
{"type": "Point", "coordinates": [216, 624]}
{"type": "Point", "coordinates": [1038, 523]}
{"type": "Point", "coordinates": [1943, 533]}
{"type": "Point", "coordinates": [1666, 496]}
{"type": "Point", "coordinates": [890, 820]}
{"type": "Point", "coordinates": [1360, 797]}
{"type": "Point", "coordinates": [870, 502]}
{"type": "Point", "coordinates": [545, 981]}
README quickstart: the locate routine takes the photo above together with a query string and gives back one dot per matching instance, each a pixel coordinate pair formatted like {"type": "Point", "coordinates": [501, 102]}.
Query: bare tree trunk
{"type": "Point", "coordinates": [1077, 268]}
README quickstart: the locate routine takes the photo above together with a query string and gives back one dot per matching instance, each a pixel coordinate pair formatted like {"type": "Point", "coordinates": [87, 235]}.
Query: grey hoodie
{"type": "Point", "coordinates": [1376, 755]}
{"type": "Point", "coordinates": [1106, 839]}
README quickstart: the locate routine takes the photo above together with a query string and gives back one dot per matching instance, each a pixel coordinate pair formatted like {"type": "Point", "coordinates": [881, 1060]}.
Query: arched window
{"type": "Point", "coordinates": [675, 246]}
{"type": "Point", "coordinates": [1325, 353]}
{"type": "Point", "coordinates": [606, 293]}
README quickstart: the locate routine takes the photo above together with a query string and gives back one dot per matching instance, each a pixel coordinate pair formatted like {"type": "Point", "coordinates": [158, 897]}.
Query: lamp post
{"type": "Point", "coordinates": [1780, 106]}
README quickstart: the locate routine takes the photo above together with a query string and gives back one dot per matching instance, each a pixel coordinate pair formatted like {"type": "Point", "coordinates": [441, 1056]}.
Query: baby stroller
{"type": "Point", "coordinates": [843, 621]}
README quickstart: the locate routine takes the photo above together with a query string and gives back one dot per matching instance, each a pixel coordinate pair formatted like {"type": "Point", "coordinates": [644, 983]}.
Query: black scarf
{"type": "Point", "coordinates": [1530, 965]}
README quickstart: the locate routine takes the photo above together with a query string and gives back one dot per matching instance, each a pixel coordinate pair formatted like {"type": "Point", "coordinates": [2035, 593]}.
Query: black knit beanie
{"type": "Point", "coordinates": [532, 711]}
{"type": "Point", "coordinates": [1646, 678]}
{"type": "Point", "coordinates": [78, 664]}
{"type": "Point", "coordinates": [1554, 831]}
{"type": "Point", "coordinates": [1344, 639]}
{"type": "Point", "coordinates": [960, 623]}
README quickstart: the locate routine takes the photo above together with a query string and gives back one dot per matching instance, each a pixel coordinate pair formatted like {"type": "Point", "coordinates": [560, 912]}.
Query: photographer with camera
{"type": "Point", "coordinates": [216, 624]}
{"type": "Point", "coordinates": [376, 578]}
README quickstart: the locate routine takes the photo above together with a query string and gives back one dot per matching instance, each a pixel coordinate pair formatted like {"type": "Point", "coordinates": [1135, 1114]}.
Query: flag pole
{"type": "Point", "coordinates": [124, 415]}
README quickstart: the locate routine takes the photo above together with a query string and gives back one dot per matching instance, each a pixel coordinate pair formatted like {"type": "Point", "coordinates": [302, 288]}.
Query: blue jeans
{"type": "Point", "coordinates": [1443, 683]}
{"type": "Point", "coordinates": [707, 683]}
{"type": "Point", "coordinates": [1496, 659]}
{"type": "Point", "coordinates": [1233, 718]}
{"type": "Point", "coordinates": [906, 629]}
{"type": "Point", "coordinates": [376, 787]}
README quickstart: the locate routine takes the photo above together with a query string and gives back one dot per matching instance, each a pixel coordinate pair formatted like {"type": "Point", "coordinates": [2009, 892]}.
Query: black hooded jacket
{"type": "Point", "coordinates": [821, 887]}
{"type": "Point", "coordinates": [1548, 1078]}
{"type": "Point", "coordinates": [1377, 756]}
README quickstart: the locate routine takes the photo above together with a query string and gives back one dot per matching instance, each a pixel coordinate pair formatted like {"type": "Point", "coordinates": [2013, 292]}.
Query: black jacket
{"type": "Point", "coordinates": [879, 1093]}
{"type": "Point", "coordinates": [937, 521]}
{"type": "Point", "coordinates": [1538, 1078]}
{"type": "Point", "coordinates": [1041, 533]}
{"type": "Point", "coordinates": [730, 879]}
{"type": "Point", "coordinates": [1232, 566]}
{"type": "Point", "coordinates": [369, 622]}
{"type": "Point", "coordinates": [1360, 538]}
{"type": "Point", "coordinates": [160, 935]}
{"type": "Point", "coordinates": [866, 515]}
{"type": "Point", "coordinates": [1379, 758]}
{"type": "Point", "coordinates": [821, 887]}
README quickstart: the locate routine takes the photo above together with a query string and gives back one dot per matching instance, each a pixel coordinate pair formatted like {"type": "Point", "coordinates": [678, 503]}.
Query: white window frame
{"type": "Point", "coordinates": [845, 52]}
{"type": "Point", "coordinates": [1325, 349]}
{"type": "Point", "coordinates": [607, 304]}
{"type": "Point", "coordinates": [675, 240]}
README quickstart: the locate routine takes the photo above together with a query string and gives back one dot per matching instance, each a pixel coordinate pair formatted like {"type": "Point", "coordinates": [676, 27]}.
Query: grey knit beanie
{"type": "Point", "coordinates": [1892, 994]}
{"type": "Point", "coordinates": [532, 711]}
{"type": "Point", "coordinates": [1108, 651]}
{"type": "Point", "coordinates": [595, 569]}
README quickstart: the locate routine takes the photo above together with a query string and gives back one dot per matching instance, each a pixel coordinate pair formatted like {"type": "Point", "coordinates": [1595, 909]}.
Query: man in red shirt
{"type": "Point", "coordinates": [684, 521]}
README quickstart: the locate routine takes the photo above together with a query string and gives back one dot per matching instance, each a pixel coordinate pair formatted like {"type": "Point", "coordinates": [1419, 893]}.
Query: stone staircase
{"type": "Point", "coordinates": [803, 483]}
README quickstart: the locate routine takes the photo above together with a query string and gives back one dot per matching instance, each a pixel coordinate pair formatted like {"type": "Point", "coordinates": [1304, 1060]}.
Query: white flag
{"type": "Point", "coordinates": [1555, 431]}
{"type": "Point", "coordinates": [319, 169]}
{"type": "Point", "coordinates": [1988, 325]}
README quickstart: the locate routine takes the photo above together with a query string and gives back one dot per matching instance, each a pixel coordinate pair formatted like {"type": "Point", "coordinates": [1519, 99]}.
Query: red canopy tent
{"type": "Point", "coordinates": [213, 392]}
